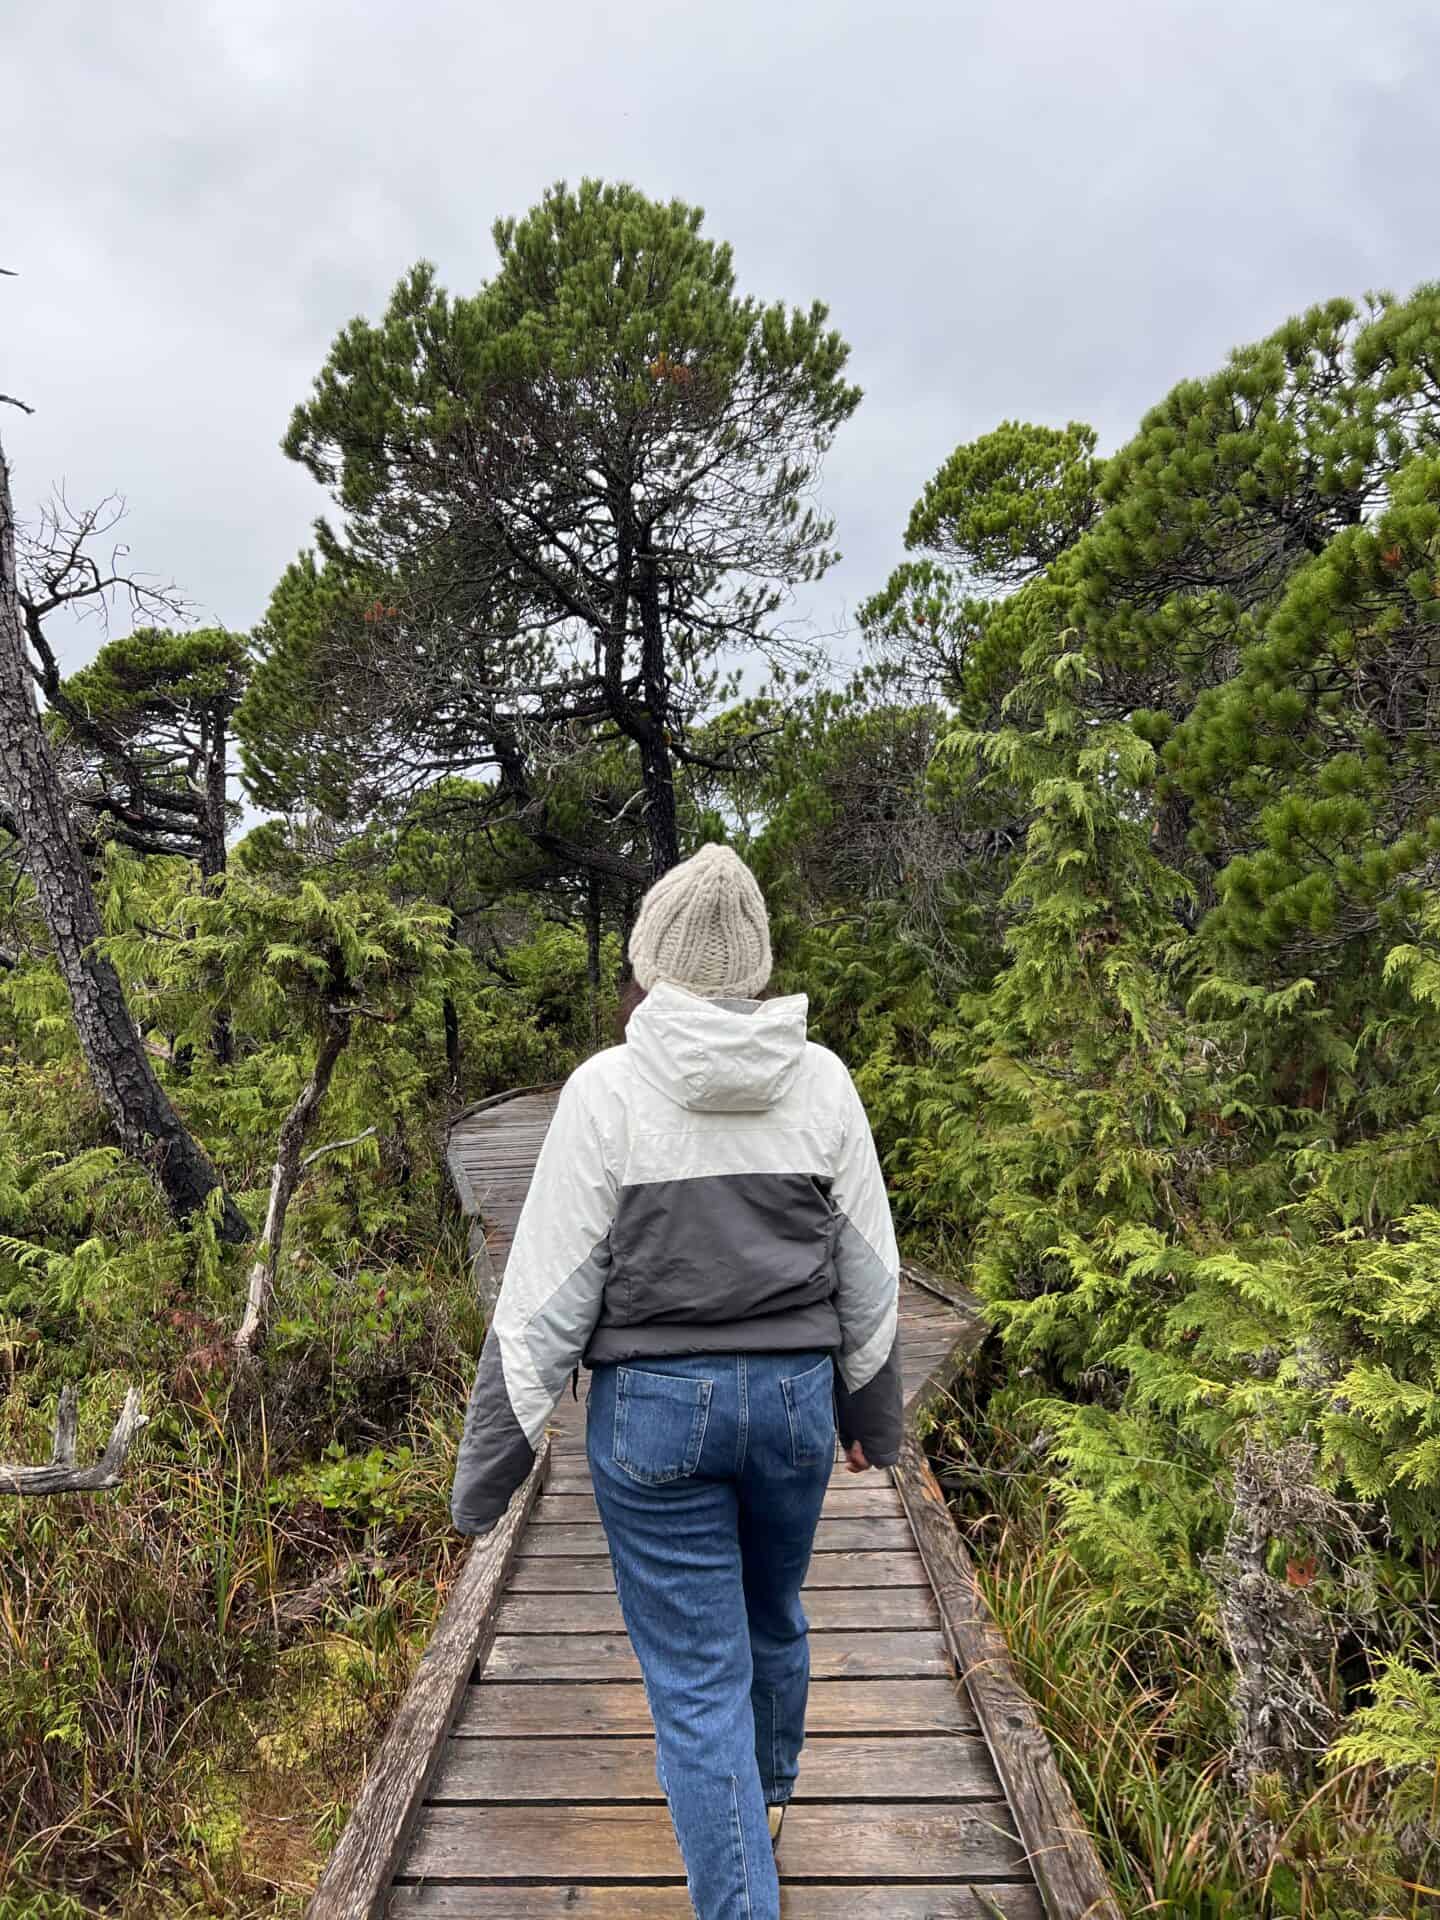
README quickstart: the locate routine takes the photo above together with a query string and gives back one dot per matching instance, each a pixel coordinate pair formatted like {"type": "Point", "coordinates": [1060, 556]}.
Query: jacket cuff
{"type": "Point", "coordinates": [494, 1455]}
{"type": "Point", "coordinates": [875, 1413]}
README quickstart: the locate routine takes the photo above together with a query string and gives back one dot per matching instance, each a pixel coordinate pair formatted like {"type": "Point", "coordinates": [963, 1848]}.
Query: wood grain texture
{"type": "Point", "coordinates": [950, 1292]}
{"type": "Point", "coordinates": [831, 1536]}
{"type": "Point", "coordinates": [565, 1710]}
{"type": "Point", "coordinates": [833, 1767]}
{"type": "Point", "coordinates": [354, 1883]}
{"type": "Point", "coordinates": [1058, 1847]}
{"type": "Point", "coordinates": [875, 1655]}
{"type": "Point", "coordinates": [591, 1572]}
{"type": "Point", "coordinates": [573, 1502]}
{"type": "Point", "coordinates": [912, 1841]}
{"type": "Point", "coordinates": [848, 1493]}
{"type": "Point", "coordinates": [856, 1608]}
{"type": "Point", "coordinates": [573, 1900]}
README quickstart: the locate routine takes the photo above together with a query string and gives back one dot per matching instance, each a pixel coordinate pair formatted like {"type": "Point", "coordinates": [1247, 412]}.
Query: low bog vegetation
{"type": "Point", "coordinates": [193, 1667]}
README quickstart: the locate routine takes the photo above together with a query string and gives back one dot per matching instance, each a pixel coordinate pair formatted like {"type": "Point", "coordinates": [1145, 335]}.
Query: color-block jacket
{"type": "Point", "coordinates": [711, 1186]}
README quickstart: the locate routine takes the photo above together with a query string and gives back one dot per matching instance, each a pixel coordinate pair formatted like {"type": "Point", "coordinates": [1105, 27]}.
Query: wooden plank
{"type": "Point", "coordinates": [592, 1573]}
{"type": "Point", "coordinates": [570, 1900]}
{"type": "Point", "coordinates": [856, 1492]}
{"type": "Point", "coordinates": [855, 1608]}
{"type": "Point", "coordinates": [912, 1841]}
{"type": "Point", "coordinates": [565, 1710]}
{"type": "Point", "coordinates": [875, 1655]}
{"type": "Point", "coordinates": [831, 1536]}
{"type": "Point", "coordinates": [937, 1286]}
{"type": "Point", "coordinates": [522, 1097]}
{"type": "Point", "coordinates": [354, 1884]}
{"type": "Point", "coordinates": [833, 1767]}
{"type": "Point", "coordinates": [880, 1503]}
{"type": "Point", "coordinates": [1059, 1848]}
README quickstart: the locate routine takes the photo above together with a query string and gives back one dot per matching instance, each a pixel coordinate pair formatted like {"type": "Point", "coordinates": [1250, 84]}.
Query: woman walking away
{"type": "Point", "coordinates": [708, 1230]}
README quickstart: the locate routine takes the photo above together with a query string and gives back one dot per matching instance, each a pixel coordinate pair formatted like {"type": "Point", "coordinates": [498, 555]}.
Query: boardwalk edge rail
{"type": "Point", "coordinates": [1060, 1850]}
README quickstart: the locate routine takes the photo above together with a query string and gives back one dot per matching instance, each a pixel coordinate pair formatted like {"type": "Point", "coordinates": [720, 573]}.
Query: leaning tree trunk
{"type": "Point", "coordinates": [150, 1130]}
{"type": "Point", "coordinates": [284, 1178]}
{"type": "Point", "coordinates": [214, 744]}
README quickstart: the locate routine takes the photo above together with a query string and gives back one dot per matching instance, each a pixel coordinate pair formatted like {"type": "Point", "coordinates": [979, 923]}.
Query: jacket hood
{"type": "Point", "coordinates": [718, 1056]}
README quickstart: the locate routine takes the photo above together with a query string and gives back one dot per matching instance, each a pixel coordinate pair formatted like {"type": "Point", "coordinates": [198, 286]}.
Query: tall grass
{"type": "Point", "coordinates": [1136, 1708]}
{"type": "Point", "coordinates": [193, 1666]}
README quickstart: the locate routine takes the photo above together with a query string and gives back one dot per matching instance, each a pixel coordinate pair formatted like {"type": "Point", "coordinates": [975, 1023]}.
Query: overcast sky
{"type": "Point", "coordinates": [1014, 208]}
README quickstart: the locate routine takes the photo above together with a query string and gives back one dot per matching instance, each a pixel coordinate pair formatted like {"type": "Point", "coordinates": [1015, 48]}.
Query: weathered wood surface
{"type": "Point", "coordinates": [539, 1792]}
{"type": "Point", "coordinates": [497, 1709]}
{"type": "Point", "coordinates": [803, 1900]}
{"type": "Point", "coordinates": [491, 1157]}
{"type": "Point", "coordinates": [859, 1842]}
{"type": "Point", "coordinates": [378, 1831]}
{"type": "Point", "coordinates": [837, 1767]}
{"type": "Point", "coordinates": [860, 1610]}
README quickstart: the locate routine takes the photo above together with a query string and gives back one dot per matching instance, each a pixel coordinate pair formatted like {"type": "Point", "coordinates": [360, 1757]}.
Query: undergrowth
{"type": "Point", "coordinates": [1136, 1704]}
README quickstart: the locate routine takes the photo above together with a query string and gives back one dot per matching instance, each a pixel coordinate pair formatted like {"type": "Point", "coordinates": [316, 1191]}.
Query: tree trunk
{"type": "Point", "coordinates": [629, 912]}
{"type": "Point", "coordinates": [450, 1014]}
{"type": "Point", "coordinates": [657, 768]}
{"type": "Point", "coordinates": [594, 927]}
{"type": "Point", "coordinates": [215, 742]}
{"type": "Point", "coordinates": [284, 1178]}
{"type": "Point", "coordinates": [150, 1130]}
{"type": "Point", "coordinates": [62, 1475]}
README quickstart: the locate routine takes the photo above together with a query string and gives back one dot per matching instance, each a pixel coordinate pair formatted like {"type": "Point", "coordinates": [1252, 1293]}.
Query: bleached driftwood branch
{"type": "Point", "coordinates": [62, 1475]}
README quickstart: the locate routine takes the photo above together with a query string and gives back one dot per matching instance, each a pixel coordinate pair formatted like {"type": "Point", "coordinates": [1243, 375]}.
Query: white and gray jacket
{"type": "Point", "coordinates": [711, 1186]}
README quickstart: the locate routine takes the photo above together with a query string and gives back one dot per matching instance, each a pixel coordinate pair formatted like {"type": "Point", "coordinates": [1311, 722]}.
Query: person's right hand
{"type": "Point", "coordinates": [855, 1460]}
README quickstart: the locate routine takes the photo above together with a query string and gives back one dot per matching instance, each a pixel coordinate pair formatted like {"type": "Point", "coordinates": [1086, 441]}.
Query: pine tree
{"type": "Point", "coordinates": [150, 717]}
{"type": "Point", "coordinates": [1185, 1139]}
{"type": "Point", "coordinates": [563, 496]}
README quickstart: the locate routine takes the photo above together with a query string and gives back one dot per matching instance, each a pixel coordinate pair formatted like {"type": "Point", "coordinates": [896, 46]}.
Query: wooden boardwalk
{"type": "Point", "coordinates": [518, 1782]}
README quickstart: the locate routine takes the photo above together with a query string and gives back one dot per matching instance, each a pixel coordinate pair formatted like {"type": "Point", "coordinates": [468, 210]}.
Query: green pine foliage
{"type": "Point", "coordinates": [1179, 1126]}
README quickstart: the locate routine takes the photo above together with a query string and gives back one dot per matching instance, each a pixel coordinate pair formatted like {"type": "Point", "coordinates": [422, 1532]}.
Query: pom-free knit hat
{"type": "Point", "coordinates": [703, 926]}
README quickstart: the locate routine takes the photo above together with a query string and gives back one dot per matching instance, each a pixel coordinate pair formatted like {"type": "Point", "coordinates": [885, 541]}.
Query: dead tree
{"type": "Point", "coordinates": [146, 1122]}
{"type": "Point", "coordinates": [62, 1475]}
{"type": "Point", "coordinates": [285, 1177]}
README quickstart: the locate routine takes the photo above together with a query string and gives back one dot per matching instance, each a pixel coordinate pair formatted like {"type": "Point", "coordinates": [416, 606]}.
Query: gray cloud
{"type": "Point", "coordinates": [1013, 207]}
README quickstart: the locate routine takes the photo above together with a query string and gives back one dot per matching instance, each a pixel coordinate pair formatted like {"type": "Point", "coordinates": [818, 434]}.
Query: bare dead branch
{"type": "Point", "coordinates": [335, 1146]}
{"type": "Point", "coordinates": [62, 1475]}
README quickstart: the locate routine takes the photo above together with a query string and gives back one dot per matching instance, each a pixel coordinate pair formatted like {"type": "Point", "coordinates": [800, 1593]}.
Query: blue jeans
{"type": "Point", "coordinates": [709, 1473]}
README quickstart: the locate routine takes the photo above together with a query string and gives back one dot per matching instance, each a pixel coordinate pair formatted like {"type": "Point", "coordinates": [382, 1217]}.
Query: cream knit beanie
{"type": "Point", "coordinates": [703, 926]}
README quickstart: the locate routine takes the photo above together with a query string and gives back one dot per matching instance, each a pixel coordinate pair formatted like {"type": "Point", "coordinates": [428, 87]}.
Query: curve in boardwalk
{"type": "Point", "coordinates": [517, 1780]}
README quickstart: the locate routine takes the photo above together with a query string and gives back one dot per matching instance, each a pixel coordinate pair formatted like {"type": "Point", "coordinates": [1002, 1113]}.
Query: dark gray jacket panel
{"type": "Point", "coordinates": [719, 1247]}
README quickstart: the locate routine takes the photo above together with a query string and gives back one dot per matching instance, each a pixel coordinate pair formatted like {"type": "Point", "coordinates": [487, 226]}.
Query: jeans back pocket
{"type": "Point", "coordinates": [659, 1424]}
{"type": "Point", "coordinates": [810, 1409]}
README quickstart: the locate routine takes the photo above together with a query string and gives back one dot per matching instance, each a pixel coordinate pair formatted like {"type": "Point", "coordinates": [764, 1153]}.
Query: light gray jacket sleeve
{"type": "Point", "coordinates": [548, 1305]}
{"type": "Point", "coordinates": [869, 1401]}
